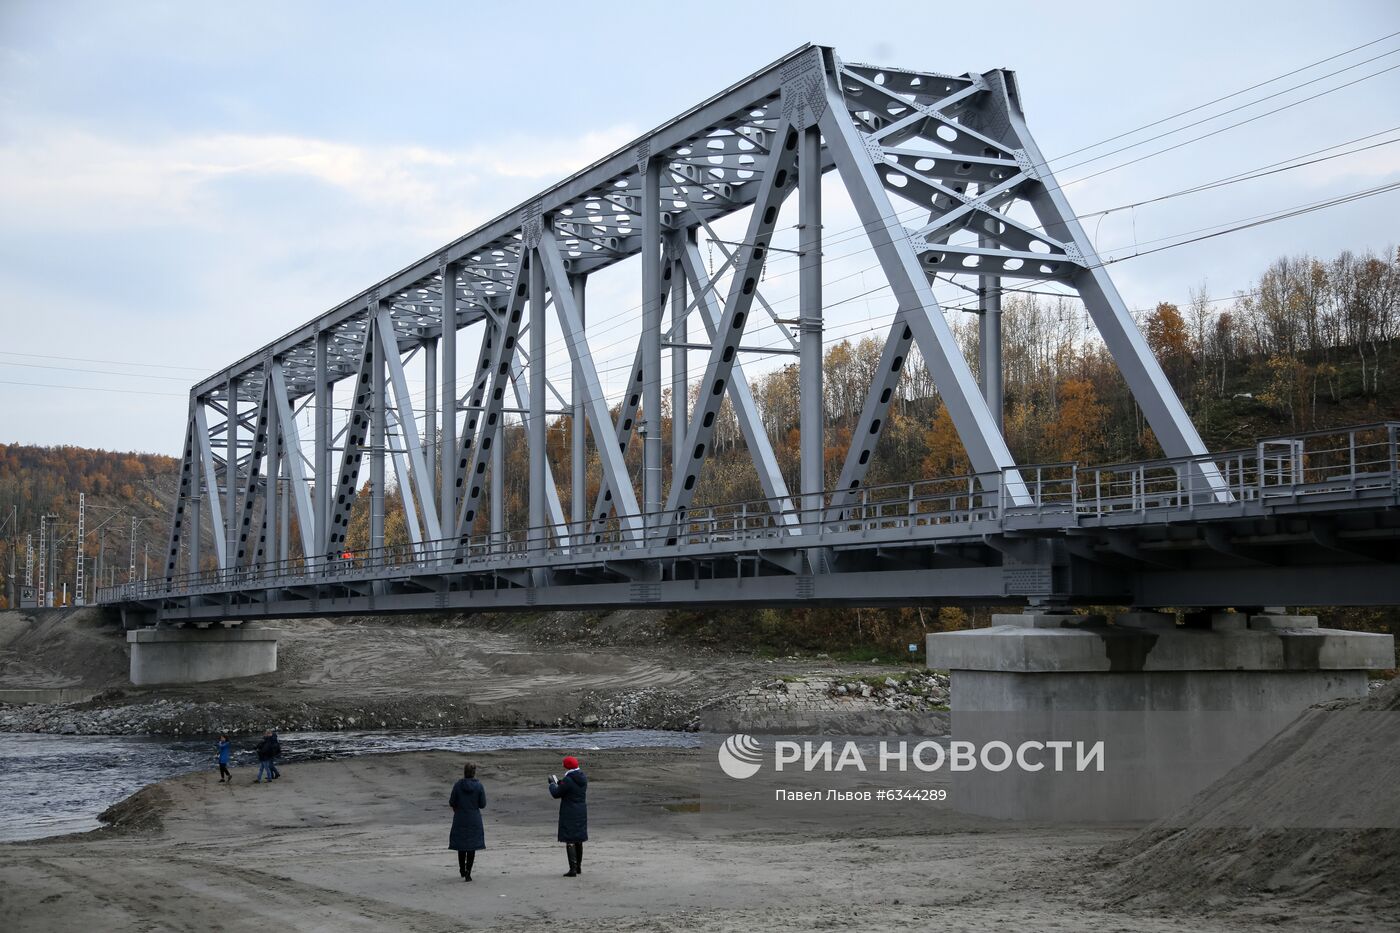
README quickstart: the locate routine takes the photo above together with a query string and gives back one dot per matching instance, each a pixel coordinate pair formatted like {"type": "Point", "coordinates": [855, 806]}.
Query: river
{"type": "Point", "coordinates": [54, 784]}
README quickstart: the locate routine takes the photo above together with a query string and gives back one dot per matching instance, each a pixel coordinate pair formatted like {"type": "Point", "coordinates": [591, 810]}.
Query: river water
{"type": "Point", "coordinates": [52, 784]}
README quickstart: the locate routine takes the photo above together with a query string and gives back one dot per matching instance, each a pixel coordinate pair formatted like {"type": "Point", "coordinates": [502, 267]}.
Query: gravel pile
{"type": "Point", "coordinates": [649, 708]}
{"type": "Point", "coordinates": [919, 690]}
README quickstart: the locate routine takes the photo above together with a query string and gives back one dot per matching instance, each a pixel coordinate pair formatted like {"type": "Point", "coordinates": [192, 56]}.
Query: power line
{"type": "Point", "coordinates": [1252, 87]}
{"type": "Point", "coordinates": [1289, 213]}
{"type": "Point", "coordinates": [101, 372]}
{"type": "Point", "coordinates": [1379, 189]}
{"type": "Point", "coordinates": [1247, 223]}
{"type": "Point", "coordinates": [1216, 116]}
{"type": "Point", "coordinates": [47, 385]}
{"type": "Point", "coordinates": [83, 359]}
{"type": "Point", "coordinates": [1231, 126]}
{"type": "Point", "coordinates": [1252, 174]}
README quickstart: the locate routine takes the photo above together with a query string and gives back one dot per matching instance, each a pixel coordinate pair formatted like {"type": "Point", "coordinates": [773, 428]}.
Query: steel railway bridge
{"type": "Point", "coordinates": [259, 528]}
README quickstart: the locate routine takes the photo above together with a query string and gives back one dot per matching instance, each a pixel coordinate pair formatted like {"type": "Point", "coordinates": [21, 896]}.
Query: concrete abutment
{"type": "Point", "coordinates": [194, 655]}
{"type": "Point", "coordinates": [1175, 706]}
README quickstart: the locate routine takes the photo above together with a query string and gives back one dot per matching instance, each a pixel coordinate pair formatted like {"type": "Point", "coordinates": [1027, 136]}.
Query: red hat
{"type": "Point", "coordinates": [570, 762]}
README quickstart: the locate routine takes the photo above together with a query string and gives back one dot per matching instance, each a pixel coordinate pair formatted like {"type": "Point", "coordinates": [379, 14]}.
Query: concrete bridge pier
{"type": "Point", "coordinates": [193, 655]}
{"type": "Point", "coordinates": [1175, 706]}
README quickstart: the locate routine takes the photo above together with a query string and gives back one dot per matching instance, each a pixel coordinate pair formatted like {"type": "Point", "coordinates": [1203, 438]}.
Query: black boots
{"type": "Point", "coordinates": [575, 852]}
{"type": "Point", "coordinates": [464, 864]}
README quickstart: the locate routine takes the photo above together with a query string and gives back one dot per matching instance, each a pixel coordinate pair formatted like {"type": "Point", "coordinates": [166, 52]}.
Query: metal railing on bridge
{"type": "Point", "coordinates": [1300, 471]}
{"type": "Point", "coordinates": [1296, 468]}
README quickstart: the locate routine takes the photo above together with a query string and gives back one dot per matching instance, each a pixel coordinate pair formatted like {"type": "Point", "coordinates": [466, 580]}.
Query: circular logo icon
{"type": "Point", "coordinates": [740, 756]}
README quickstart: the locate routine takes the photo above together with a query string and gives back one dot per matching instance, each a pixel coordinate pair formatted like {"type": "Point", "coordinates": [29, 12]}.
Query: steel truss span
{"type": "Point", "coordinates": [268, 482]}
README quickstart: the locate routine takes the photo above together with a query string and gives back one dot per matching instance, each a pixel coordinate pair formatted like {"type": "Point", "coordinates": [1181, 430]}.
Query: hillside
{"type": "Point", "coordinates": [119, 487]}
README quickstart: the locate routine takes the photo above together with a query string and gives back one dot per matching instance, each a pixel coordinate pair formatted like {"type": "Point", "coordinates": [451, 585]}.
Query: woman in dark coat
{"type": "Point", "coordinates": [467, 801]}
{"type": "Point", "coordinates": [572, 791]}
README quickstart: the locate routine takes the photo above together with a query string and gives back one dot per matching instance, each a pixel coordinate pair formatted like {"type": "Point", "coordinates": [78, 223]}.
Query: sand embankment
{"type": "Point", "coordinates": [361, 845]}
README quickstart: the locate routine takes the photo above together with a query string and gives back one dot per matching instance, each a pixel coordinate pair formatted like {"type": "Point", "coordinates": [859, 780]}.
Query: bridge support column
{"type": "Point", "coordinates": [378, 433]}
{"type": "Point", "coordinates": [1174, 706]}
{"type": "Point", "coordinates": [195, 655]}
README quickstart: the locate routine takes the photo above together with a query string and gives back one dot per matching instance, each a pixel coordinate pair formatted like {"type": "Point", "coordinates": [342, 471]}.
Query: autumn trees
{"type": "Point", "coordinates": [36, 481]}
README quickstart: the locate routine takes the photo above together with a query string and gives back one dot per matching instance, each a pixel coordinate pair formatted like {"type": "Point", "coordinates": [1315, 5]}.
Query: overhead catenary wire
{"type": "Point", "coordinates": [1230, 126]}
{"type": "Point", "coordinates": [100, 372]}
{"type": "Point", "coordinates": [1288, 213]}
{"type": "Point", "coordinates": [1232, 94]}
{"type": "Point", "coordinates": [48, 385]}
{"type": "Point", "coordinates": [84, 359]}
{"type": "Point", "coordinates": [1245, 106]}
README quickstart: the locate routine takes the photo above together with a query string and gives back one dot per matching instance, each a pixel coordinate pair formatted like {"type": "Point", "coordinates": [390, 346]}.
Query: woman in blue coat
{"type": "Point", "coordinates": [572, 792]}
{"type": "Point", "coordinates": [223, 760]}
{"type": "Point", "coordinates": [467, 801]}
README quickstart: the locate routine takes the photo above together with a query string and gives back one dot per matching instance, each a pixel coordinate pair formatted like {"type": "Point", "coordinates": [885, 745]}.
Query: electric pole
{"type": "Point", "coordinates": [11, 588]}
{"type": "Point", "coordinates": [43, 561]}
{"type": "Point", "coordinates": [52, 567]}
{"type": "Point", "coordinates": [79, 591]}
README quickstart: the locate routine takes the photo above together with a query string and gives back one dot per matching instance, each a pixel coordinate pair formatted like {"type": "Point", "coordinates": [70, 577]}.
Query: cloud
{"type": "Point", "coordinates": [68, 178]}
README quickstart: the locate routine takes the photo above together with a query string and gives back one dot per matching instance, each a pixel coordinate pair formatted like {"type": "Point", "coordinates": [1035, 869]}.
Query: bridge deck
{"type": "Point", "coordinates": [1317, 523]}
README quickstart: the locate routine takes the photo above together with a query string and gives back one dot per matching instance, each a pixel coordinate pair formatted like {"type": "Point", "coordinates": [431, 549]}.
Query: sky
{"type": "Point", "coordinates": [182, 182]}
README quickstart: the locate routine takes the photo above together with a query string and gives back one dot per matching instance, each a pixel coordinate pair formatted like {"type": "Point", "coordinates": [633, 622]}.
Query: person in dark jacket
{"type": "Point", "coordinates": [223, 760]}
{"type": "Point", "coordinates": [572, 792]}
{"type": "Point", "coordinates": [264, 758]}
{"type": "Point", "coordinates": [467, 801]}
{"type": "Point", "coordinates": [276, 752]}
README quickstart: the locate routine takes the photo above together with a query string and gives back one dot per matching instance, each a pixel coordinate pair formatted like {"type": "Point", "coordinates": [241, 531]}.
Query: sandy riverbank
{"type": "Point", "coordinates": [360, 845]}
{"type": "Point", "coordinates": [462, 673]}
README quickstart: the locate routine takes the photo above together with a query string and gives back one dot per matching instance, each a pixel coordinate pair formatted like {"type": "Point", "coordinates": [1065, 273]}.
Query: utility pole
{"type": "Point", "coordinates": [53, 560]}
{"type": "Point", "coordinates": [12, 589]}
{"type": "Point", "coordinates": [43, 561]}
{"type": "Point", "coordinates": [79, 590]}
{"type": "Point", "coordinates": [131, 555]}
